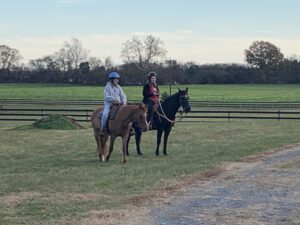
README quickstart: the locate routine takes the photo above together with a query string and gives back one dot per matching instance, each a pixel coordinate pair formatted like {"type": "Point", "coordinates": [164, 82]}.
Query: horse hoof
{"type": "Point", "coordinates": [140, 154]}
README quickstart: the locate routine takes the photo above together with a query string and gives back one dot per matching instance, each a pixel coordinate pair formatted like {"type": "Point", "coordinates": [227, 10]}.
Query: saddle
{"type": "Point", "coordinates": [112, 113]}
{"type": "Point", "coordinates": [155, 106]}
{"type": "Point", "coordinates": [113, 110]}
{"type": "Point", "coordinates": [150, 115]}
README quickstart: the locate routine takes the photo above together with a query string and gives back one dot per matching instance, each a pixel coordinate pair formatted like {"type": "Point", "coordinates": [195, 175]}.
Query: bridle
{"type": "Point", "coordinates": [180, 111]}
{"type": "Point", "coordinates": [181, 106]}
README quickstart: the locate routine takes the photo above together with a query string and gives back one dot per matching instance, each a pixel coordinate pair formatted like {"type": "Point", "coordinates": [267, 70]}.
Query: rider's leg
{"type": "Point", "coordinates": [104, 118]}
{"type": "Point", "coordinates": [150, 113]}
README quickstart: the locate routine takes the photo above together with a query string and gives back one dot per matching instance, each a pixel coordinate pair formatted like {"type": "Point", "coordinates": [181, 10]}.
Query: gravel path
{"type": "Point", "coordinates": [264, 192]}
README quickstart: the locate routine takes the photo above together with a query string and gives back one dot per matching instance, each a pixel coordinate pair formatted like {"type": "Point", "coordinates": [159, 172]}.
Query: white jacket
{"type": "Point", "coordinates": [114, 93]}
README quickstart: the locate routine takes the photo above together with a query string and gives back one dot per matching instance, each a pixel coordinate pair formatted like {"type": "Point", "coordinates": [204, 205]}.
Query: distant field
{"type": "Point", "coordinates": [260, 93]}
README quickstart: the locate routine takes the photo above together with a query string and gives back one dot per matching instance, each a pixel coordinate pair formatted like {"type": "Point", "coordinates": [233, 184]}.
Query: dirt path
{"type": "Point", "coordinates": [260, 190]}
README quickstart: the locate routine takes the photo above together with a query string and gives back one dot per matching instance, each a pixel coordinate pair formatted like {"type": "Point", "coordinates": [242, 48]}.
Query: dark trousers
{"type": "Point", "coordinates": [150, 105]}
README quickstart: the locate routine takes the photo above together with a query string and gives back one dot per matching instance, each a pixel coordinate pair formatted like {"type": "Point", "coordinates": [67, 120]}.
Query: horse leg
{"type": "Point", "coordinates": [103, 140]}
{"type": "Point", "coordinates": [166, 135]}
{"type": "Point", "coordinates": [111, 146]}
{"type": "Point", "coordinates": [97, 138]}
{"type": "Point", "coordinates": [158, 140]}
{"type": "Point", "coordinates": [127, 143]}
{"type": "Point", "coordinates": [138, 135]}
{"type": "Point", "coordinates": [124, 148]}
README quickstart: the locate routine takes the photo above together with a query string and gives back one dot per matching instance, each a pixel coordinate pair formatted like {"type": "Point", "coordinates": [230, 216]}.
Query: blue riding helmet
{"type": "Point", "coordinates": [114, 75]}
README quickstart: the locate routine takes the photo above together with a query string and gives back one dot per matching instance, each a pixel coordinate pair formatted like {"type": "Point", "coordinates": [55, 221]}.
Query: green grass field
{"type": "Point", "coordinates": [273, 93]}
{"type": "Point", "coordinates": [54, 176]}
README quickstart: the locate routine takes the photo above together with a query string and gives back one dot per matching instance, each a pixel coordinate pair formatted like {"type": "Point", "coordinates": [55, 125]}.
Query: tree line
{"type": "Point", "coordinates": [72, 63]}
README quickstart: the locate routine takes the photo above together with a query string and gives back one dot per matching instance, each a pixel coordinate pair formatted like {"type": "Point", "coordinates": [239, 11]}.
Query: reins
{"type": "Point", "coordinates": [163, 115]}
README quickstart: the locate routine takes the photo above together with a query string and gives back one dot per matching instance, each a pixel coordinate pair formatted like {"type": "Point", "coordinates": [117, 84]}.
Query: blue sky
{"type": "Point", "coordinates": [204, 31]}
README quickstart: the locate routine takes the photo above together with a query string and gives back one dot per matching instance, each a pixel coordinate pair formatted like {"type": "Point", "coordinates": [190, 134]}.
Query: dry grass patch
{"type": "Point", "coordinates": [130, 215]}
{"type": "Point", "coordinates": [17, 198]}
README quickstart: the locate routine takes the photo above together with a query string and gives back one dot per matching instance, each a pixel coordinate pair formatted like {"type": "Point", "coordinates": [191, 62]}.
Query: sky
{"type": "Point", "coordinates": [201, 31]}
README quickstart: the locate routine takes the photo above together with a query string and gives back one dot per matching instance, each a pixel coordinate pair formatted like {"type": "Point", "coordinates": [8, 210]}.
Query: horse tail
{"type": "Point", "coordinates": [95, 120]}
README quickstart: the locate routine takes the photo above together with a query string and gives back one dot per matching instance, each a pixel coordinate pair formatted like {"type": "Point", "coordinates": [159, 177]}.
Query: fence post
{"type": "Point", "coordinates": [87, 117]}
{"type": "Point", "coordinates": [228, 116]}
{"type": "Point", "coordinates": [278, 115]}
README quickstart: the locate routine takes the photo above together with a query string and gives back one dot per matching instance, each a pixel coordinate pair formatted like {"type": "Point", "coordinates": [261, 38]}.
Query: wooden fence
{"type": "Point", "coordinates": [197, 104]}
{"type": "Point", "coordinates": [83, 115]}
{"type": "Point", "coordinates": [80, 110]}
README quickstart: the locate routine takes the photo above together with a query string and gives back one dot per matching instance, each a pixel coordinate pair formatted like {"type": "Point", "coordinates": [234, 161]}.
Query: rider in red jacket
{"type": "Point", "coordinates": [151, 94]}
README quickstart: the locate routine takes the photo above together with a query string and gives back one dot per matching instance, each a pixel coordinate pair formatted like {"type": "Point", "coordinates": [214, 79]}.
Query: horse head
{"type": "Point", "coordinates": [140, 118]}
{"type": "Point", "coordinates": [184, 100]}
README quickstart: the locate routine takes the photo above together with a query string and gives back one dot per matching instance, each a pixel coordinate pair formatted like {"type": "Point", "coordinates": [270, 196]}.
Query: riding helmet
{"type": "Point", "coordinates": [152, 74]}
{"type": "Point", "coordinates": [114, 75]}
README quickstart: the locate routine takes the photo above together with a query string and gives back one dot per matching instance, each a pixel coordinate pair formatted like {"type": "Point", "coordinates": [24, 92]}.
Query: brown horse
{"type": "Point", "coordinates": [119, 126]}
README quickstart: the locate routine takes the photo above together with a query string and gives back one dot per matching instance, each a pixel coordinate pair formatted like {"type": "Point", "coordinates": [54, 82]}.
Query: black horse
{"type": "Point", "coordinates": [164, 118]}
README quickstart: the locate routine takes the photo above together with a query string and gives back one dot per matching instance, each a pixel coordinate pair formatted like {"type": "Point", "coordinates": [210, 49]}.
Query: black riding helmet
{"type": "Point", "coordinates": [151, 74]}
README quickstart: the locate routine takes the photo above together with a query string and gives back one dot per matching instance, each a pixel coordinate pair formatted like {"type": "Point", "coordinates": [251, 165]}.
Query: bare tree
{"type": "Point", "coordinates": [95, 62]}
{"type": "Point", "coordinates": [74, 53]}
{"type": "Point", "coordinates": [108, 63]}
{"type": "Point", "coordinates": [9, 57]}
{"type": "Point", "coordinates": [46, 63]}
{"type": "Point", "coordinates": [62, 59]}
{"type": "Point", "coordinates": [143, 53]}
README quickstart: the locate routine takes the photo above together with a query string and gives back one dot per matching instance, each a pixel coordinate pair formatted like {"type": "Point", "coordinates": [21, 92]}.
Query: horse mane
{"type": "Point", "coordinates": [171, 97]}
{"type": "Point", "coordinates": [169, 106]}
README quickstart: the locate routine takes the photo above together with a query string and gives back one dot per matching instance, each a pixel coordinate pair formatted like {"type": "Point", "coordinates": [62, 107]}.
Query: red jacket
{"type": "Point", "coordinates": [150, 92]}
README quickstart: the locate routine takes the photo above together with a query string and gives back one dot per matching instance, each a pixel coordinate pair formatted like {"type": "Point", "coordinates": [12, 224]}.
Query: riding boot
{"type": "Point", "coordinates": [151, 124]}
{"type": "Point", "coordinates": [102, 131]}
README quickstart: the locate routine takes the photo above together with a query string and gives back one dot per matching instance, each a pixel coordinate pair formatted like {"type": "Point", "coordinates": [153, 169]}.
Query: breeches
{"type": "Point", "coordinates": [150, 105]}
{"type": "Point", "coordinates": [105, 113]}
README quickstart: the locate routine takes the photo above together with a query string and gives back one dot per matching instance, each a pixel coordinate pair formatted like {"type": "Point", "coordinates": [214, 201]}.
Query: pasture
{"type": "Point", "coordinates": [54, 176]}
{"type": "Point", "coordinates": [235, 93]}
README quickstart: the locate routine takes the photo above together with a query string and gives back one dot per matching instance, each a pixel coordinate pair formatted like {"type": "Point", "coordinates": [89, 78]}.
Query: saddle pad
{"type": "Point", "coordinates": [113, 111]}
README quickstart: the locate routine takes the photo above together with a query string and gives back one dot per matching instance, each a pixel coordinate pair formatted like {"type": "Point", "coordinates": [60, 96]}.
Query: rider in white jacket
{"type": "Point", "coordinates": [113, 93]}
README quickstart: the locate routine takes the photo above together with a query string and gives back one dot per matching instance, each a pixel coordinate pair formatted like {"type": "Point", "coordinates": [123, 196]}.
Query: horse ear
{"type": "Point", "coordinates": [186, 89]}
{"type": "Point", "coordinates": [179, 90]}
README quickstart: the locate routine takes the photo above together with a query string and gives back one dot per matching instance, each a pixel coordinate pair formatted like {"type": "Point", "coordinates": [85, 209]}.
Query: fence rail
{"type": "Point", "coordinates": [193, 103]}
{"type": "Point", "coordinates": [83, 115]}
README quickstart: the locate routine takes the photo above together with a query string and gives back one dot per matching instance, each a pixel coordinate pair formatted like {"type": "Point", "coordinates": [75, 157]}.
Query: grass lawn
{"type": "Point", "coordinates": [260, 93]}
{"type": "Point", "coordinates": [53, 176]}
